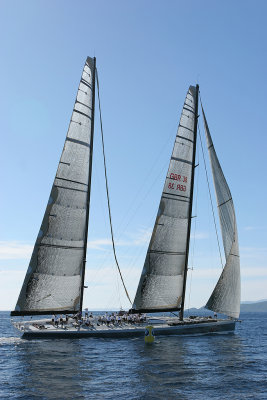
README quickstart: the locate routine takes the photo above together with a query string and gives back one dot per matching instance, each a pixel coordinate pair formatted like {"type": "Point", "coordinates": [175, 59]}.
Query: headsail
{"type": "Point", "coordinates": [161, 283]}
{"type": "Point", "coordinates": [225, 298]}
{"type": "Point", "coordinates": [54, 279]}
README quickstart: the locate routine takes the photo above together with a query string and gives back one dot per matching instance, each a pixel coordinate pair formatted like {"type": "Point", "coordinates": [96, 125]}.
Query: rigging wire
{"type": "Point", "coordinates": [211, 202]}
{"type": "Point", "coordinates": [118, 290]}
{"type": "Point", "coordinates": [107, 191]}
{"type": "Point", "coordinates": [132, 212]}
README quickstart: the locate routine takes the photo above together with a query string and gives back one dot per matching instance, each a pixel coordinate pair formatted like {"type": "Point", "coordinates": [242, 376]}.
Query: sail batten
{"type": "Point", "coordinates": [54, 279]}
{"type": "Point", "coordinates": [162, 279]}
{"type": "Point", "coordinates": [225, 297]}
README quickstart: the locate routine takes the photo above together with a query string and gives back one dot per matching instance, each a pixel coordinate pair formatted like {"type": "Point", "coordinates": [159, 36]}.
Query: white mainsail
{"type": "Point", "coordinates": [162, 278]}
{"type": "Point", "coordinates": [225, 298]}
{"type": "Point", "coordinates": [54, 279]}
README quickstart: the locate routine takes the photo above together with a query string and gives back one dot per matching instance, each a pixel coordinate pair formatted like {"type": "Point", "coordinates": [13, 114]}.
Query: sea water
{"type": "Point", "coordinates": [215, 366]}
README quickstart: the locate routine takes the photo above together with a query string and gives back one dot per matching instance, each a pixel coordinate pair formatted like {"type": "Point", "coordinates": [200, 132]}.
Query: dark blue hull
{"type": "Point", "coordinates": [134, 331]}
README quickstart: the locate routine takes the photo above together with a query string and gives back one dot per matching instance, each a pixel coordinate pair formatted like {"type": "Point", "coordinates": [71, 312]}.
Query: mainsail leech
{"type": "Point", "coordinates": [54, 279]}
{"type": "Point", "coordinates": [225, 298]}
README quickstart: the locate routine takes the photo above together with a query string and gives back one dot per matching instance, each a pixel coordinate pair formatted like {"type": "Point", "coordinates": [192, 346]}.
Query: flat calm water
{"type": "Point", "coordinates": [229, 366]}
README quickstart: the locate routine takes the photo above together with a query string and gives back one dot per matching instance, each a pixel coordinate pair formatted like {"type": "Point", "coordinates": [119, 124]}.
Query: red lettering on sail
{"type": "Point", "coordinates": [182, 188]}
{"type": "Point", "coordinates": [177, 177]}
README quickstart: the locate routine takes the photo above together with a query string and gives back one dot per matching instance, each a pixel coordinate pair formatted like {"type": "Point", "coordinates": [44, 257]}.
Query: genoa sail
{"type": "Point", "coordinates": [54, 279]}
{"type": "Point", "coordinates": [161, 283]}
{"type": "Point", "coordinates": [225, 298]}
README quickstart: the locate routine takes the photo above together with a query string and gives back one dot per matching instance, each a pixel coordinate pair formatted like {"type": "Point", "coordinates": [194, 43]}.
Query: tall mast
{"type": "Point", "coordinates": [89, 183]}
{"type": "Point", "coordinates": [190, 206]}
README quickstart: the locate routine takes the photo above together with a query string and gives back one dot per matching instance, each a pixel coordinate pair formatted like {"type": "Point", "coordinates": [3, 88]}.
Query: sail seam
{"type": "Point", "coordinates": [173, 194]}
{"type": "Point", "coordinates": [68, 180]}
{"type": "Point", "coordinates": [178, 253]}
{"type": "Point", "coordinates": [185, 127]}
{"type": "Point", "coordinates": [187, 109]}
{"type": "Point", "coordinates": [78, 141]}
{"type": "Point", "coordinates": [82, 113]}
{"type": "Point", "coordinates": [86, 83]}
{"type": "Point", "coordinates": [182, 160]}
{"type": "Point", "coordinates": [64, 187]}
{"type": "Point", "coordinates": [224, 202]}
{"type": "Point", "coordinates": [182, 137]}
{"type": "Point", "coordinates": [188, 105]}
{"type": "Point", "coordinates": [184, 201]}
{"type": "Point", "coordinates": [60, 247]}
{"type": "Point", "coordinates": [85, 105]}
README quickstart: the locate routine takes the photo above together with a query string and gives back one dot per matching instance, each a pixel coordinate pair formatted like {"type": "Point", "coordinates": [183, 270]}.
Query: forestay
{"type": "Point", "coordinates": [54, 278]}
{"type": "Point", "coordinates": [225, 298]}
{"type": "Point", "coordinates": [161, 283]}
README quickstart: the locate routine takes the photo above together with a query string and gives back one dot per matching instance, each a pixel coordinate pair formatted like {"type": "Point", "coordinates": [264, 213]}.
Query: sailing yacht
{"type": "Point", "coordinates": [54, 281]}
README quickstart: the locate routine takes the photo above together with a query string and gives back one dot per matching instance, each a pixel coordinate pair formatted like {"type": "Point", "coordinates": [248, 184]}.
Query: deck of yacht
{"type": "Point", "coordinates": [162, 326]}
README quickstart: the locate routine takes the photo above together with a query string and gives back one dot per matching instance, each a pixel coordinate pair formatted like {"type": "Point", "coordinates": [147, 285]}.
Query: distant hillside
{"type": "Point", "coordinates": [259, 306]}
{"type": "Point", "coordinates": [246, 306]}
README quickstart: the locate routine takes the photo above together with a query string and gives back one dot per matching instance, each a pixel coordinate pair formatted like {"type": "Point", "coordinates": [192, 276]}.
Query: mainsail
{"type": "Point", "coordinates": [55, 276]}
{"type": "Point", "coordinates": [161, 284]}
{"type": "Point", "coordinates": [225, 298]}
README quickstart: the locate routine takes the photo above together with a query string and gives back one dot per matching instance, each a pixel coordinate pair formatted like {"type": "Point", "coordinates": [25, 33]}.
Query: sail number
{"type": "Point", "coordinates": [182, 188]}
{"type": "Point", "coordinates": [179, 178]}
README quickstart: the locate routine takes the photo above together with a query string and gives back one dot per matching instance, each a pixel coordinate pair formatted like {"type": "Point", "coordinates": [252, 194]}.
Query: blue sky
{"type": "Point", "coordinates": [148, 53]}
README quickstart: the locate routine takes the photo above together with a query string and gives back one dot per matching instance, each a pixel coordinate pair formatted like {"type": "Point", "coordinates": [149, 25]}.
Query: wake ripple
{"type": "Point", "coordinates": [11, 340]}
